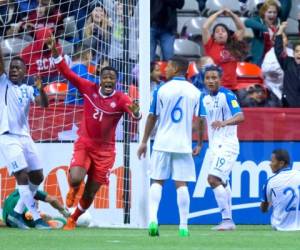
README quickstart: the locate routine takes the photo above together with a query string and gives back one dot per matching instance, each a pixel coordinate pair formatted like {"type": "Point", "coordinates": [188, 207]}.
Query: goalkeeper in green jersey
{"type": "Point", "coordinates": [11, 201]}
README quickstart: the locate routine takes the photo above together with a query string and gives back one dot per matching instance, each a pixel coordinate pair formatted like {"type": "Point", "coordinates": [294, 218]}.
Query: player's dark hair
{"type": "Point", "coordinates": [282, 155]}
{"type": "Point", "coordinates": [213, 67]}
{"type": "Point", "coordinates": [18, 58]}
{"type": "Point", "coordinates": [152, 66]}
{"type": "Point", "coordinates": [181, 63]}
{"type": "Point", "coordinates": [109, 68]}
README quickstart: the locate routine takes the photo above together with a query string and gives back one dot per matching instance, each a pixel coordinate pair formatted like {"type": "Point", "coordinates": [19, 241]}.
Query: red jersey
{"type": "Point", "coordinates": [225, 60]}
{"type": "Point", "coordinates": [38, 59]}
{"type": "Point", "coordinates": [101, 114]}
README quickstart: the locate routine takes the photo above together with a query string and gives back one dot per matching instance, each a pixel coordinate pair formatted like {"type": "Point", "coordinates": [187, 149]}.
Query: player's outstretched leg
{"type": "Point", "coordinates": [41, 224]}
{"type": "Point", "coordinates": [90, 190]}
{"type": "Point", "coordinates": [75, 180]}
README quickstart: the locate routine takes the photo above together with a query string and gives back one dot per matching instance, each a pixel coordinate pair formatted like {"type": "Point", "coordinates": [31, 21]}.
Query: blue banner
{"type": "Point", "coordinates": [247, 179]}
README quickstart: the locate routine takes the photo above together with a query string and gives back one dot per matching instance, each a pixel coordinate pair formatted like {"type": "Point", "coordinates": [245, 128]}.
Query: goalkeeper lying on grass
{"type": "Point", "coordinates": [11, 201]}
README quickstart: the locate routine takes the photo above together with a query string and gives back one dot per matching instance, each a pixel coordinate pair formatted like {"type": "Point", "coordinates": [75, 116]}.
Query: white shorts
{"type": "Point", "coordinates": [219, 163]}
{"type": "Point", "coordinates": [19, 152]}
{"type": "Point", "coordinates": [180, 166]}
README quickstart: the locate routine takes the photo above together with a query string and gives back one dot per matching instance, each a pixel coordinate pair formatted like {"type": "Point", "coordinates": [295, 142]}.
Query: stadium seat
{"type": "Point", "coordinates": [162, 66]}
{"type": "Point", "coordinates": [213, 6]}
{"type": "Point", "coordinates": [192, 70]}
{"type": "Point", "coordinates": [248, 74]}
{"type": "Point", "coordinates": [187, 48]}
{"type": "Point", "coordinates": [295, 9]}
{"type": "Point", "coordinates": [193, 27]}
{"type": "Point", "coordinates": [292, 27]}
{"type": "Point", "coordinates": [13, 46]}
{"type": "Point", "coordinates": [56, 91]}
{"type": "Point", "coordinates": [70, 27]}
{"type": "Point", "coordinates": [67, 47]}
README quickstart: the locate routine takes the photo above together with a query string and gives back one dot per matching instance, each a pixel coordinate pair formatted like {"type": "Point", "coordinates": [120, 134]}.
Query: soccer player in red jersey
{"type": "Point", "coordinates": [94, 150]}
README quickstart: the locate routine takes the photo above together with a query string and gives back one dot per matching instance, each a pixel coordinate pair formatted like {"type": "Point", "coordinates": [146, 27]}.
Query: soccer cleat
{"type": "Point", "coordinates": [153, 229]}
{"type": "Point", "coordinates": [16, 220]}
{"type": "Point", "coordinates": [41, 224]}
{"type": "Point", "coordinates": [71, 195]}
{"type": "Point", "coordinates": [71, 224]}
{"type": "Point", "coordinates": [184, 232]}
{"type": "Point", "coordinates": [225, 225]}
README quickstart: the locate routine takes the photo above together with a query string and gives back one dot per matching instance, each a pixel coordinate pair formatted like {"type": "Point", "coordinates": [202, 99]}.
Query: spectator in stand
{"type": "Point", "coordinates": [291, 69]}
{"type": "Point", "coordinates": [163, 26]}
{"type": "Point", "coordinates": [265, 26]}
{"type": "Point", "coordinates": [81, 60]}
{"type": "Point", "coordinates": [273, 74]}
{"type": "Point", "coordinates": [224, 46]}
{"type": "Point", "coordinates": [198, 79]}
{"type": "Point", "coordinates": [46, 15]}
{"type": "Point", "coordinates": [9, 18]}
{"type": "Point", "coordinates": [258, 96]}
{"type": "Point", "coordinates": [97, 31]}
{"type": "Point", "coordinates": [38, 58]}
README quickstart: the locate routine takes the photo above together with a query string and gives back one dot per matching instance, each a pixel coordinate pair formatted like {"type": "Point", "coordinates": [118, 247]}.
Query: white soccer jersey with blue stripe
{"type": "Point", "coordinates": [14, 106]}
{"type": "Point", "coordinates": [220, 107]}
{"type": "Point", "coordinates": [283, 191]}
{"type": "Point", "coordinates": [175, 102]}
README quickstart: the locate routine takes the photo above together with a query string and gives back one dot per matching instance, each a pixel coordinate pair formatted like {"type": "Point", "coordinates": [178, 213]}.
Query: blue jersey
{"type": "Point", "coordinates": [175, 103]}
{"type": "Point", "coordinates": [220, 107]}
{"type": "Point", "coordinates": [282, 191]}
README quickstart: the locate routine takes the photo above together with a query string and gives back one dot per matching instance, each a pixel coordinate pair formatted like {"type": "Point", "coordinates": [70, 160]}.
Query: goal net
{"type": "Point", "coordinates": [91, 34]}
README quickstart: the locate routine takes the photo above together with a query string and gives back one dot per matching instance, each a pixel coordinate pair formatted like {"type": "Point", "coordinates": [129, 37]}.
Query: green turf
{"type": "Point", "coordinates": [245, 237]}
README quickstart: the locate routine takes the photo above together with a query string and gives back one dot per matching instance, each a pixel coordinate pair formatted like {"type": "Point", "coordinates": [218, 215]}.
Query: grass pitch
{"type": "Point", "coordinates": [245, 237]}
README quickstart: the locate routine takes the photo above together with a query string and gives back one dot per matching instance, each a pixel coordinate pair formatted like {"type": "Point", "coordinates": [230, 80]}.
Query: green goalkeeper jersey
{"type": "Point", "coordinates": [12, 200]}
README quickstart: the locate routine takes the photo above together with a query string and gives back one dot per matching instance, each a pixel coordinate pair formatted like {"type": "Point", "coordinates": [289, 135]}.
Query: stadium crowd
{"type": "Point", "coordinates": [244, 45]}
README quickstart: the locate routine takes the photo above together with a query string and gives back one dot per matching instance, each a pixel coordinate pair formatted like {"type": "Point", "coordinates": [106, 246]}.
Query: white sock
{"type": "Point", "coordinates": [183, 202]}
{"type": "Point", "coordinates": [228, 191]}
{"type": "Point", "coordinates": [221, 198]}
{"type": "Point", "coordinates": [33, 188]}
{"type": "Point", "coordinates": [27, 198]}
{"type": "Point", "coordinates": [154, 200]}
{"type": "Point", "coordinates": [20, 206]}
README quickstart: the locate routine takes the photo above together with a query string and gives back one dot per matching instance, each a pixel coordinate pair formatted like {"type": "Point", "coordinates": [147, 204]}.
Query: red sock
{"type": "Point", "coordinates": [83, 205]}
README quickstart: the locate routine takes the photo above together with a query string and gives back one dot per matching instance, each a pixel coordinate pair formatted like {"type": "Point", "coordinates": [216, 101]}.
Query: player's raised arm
{"type": "Point", "coordinates": [64, 69]}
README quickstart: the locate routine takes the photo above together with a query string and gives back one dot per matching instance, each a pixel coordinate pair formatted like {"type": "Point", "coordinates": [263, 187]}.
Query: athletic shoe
{"type": "Point", "coordinates": [225, 225]}
{"type": "Point", "coordinates": [41, 224]}
{"type": "Point", "coordinates": [16, 220]}
{"type": "Point", "coordinates": [153, 229]}
{"type": "Point", "coordinates": [71, 224]}
{"type": "Point", "coordinates": [184, 232]}
{"type": "Point", "coordinates": [71, 195]}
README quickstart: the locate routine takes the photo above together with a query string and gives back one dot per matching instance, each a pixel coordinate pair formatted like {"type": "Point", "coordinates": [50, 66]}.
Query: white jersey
{"type": "Point", "coordinates": [220, 107]}
{"type": "Point", "coordinates": [175, 102]}
{"type": "Point", "coordinates": [14, 106]}
{"type": "Point", "coordinates": [283, 191]}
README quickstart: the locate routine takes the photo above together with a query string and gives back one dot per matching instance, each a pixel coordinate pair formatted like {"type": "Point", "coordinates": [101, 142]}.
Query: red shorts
{"type": "Point", "coordinates": [97, 162]}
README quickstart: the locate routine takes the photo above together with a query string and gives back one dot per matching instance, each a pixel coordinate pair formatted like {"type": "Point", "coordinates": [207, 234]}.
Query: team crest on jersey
{"type": "Point", "coordinates": [113, 104]}
{"type": "Point", "coordinates": [234, 103]}
{"type": "Point", "coordinates": [95, 95]}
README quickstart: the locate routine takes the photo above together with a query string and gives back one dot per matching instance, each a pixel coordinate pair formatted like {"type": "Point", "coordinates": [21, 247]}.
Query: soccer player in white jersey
{"type": "Point", "coordinates": [222, 112]}
{"type": "Point", "coordinates": [16, 144]}
{"type": "Point", "coordinates": [174, 103]}
{"type": "Point", "coordinates": [282, 192]}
